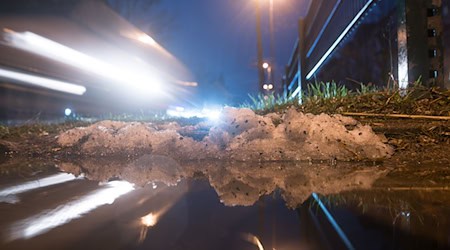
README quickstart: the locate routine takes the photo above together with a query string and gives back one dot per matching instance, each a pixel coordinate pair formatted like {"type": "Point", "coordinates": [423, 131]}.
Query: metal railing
{"type": "Point", "coordinates": [319, 33]}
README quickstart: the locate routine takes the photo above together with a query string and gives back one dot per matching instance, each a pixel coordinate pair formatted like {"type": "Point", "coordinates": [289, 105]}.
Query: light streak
{"type": "Point", "coordinates": [254, 240]}
{"type": "Point", "coordinates": [43, 222]}
{"type": "Point", "coordinates": [39, 183]}
{"type": "Point", "coordinates": [36, 44]}
{"type": "Point", "coordinates": [43, 82]}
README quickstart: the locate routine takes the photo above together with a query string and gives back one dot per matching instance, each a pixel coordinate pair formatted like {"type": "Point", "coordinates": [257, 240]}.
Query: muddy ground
{"type": "Point", "coordinates": [415, 141]}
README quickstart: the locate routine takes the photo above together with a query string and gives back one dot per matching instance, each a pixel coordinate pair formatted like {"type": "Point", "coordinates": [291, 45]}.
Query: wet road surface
{"type": "Point", "coordinates": [156, 203]}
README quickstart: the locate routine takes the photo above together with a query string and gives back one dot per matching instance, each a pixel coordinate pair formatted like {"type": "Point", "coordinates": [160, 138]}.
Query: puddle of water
{"type": "Point", "coordinates": [156, 203]}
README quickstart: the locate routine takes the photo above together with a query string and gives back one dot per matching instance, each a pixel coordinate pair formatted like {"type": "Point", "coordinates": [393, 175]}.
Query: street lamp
{"type": "Point", "coordinates": [267, 68]}
{"type": "Point", "coordinates": [259, 43]}
{"type": "Point", "coordinates": [265, 65]}
{"type": "Point", "coordinates": [272, 37]}
{"type": "Point", "coordinates": [268, 86]}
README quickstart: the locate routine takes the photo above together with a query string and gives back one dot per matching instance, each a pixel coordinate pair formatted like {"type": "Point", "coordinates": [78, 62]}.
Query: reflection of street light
{"type": "Point", "coordinates": [149, 220]}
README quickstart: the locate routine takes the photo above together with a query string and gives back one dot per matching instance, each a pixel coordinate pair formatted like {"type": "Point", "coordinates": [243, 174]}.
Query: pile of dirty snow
{"type": "Point", "coordinates": [240, 135]}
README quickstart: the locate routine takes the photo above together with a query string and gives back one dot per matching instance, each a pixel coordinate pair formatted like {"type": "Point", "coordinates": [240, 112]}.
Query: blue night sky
{"type": "Point", "coordinates": [216, 39]}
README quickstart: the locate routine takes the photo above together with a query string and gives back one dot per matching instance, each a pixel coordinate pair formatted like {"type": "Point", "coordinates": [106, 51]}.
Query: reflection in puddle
{"type": "Point", "coordinates": [412, 219]}
{"type": "Point", "coordinates": [8, 194]}
{"type": "Point", "coordinates": [63, 214]}
{"type": "Point", "coordinates": [152, 218]}
{"type": "Point", "coordinates": [286, 205]}
{"type": "Point", "coordinates": [237, 183]}
{"type": "Point", "coordinates": [149, 220]}
{"type": "Point", "coordinates": [254, 240]}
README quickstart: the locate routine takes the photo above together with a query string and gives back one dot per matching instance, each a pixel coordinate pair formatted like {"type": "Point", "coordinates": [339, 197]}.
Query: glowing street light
{"type": "Point", "coordinates": [267, 67]}
{"type": "Point", "coordinates": [268, 86]}
{"type": "Point", "coordinates": [67, 111]}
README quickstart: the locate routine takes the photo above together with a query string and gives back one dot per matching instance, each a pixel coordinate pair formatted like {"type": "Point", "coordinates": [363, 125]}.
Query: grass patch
{"type": "Point", "coordinates": [269, 103]}
{"type": "Point", "coordinates": [325, 90]}
{"type": "Point", "coordinates": [331, 98]}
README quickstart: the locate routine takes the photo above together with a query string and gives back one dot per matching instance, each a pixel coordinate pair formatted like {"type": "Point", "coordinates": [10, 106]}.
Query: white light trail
{"type": "Point", "coordinates": [43, 82]}
{"type": "Point", "coordinates": [40, 183]}
{"type": "Point", "coordinates": [33, 43]}
{"type": "Point", "coordinates": [63, 214]}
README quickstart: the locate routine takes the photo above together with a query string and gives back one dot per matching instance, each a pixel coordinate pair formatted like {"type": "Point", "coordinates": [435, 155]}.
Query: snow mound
{"type": "Point", "coordinates": [240, 135]}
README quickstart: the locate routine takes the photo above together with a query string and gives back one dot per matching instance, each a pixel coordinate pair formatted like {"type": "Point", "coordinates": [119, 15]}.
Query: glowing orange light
{"type": "Point", "coordinates": [149, 220]}
{"type": "Point", "coordinates": [253, 239]}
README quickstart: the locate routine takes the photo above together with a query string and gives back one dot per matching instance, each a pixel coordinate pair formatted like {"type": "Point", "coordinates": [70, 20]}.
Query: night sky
{"type": "Point", "coordinates": [216, 40]}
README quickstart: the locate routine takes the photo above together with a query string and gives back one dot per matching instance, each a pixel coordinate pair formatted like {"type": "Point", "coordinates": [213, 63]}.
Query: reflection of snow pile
{"type": "Point", "coordinates": [146, 169]}
{"type": "Point", "coordinates": [243, 184]}
{"type": "Point", "coordinates": [237, 183]}
{"type": "Point", "coordinates": [241, 135]}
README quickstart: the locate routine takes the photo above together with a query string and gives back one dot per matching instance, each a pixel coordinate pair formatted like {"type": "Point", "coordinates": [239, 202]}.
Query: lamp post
{"type": "Point", "coordinates": [260, 62]}
{"type": "Point", "coordinates": [259, 45]}
{"type": "Point", "coordinates": [272, 41]}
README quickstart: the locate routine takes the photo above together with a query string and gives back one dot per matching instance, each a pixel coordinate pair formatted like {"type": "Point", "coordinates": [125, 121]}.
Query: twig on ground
{"type": "Point", "coordinates": [399, 116]}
